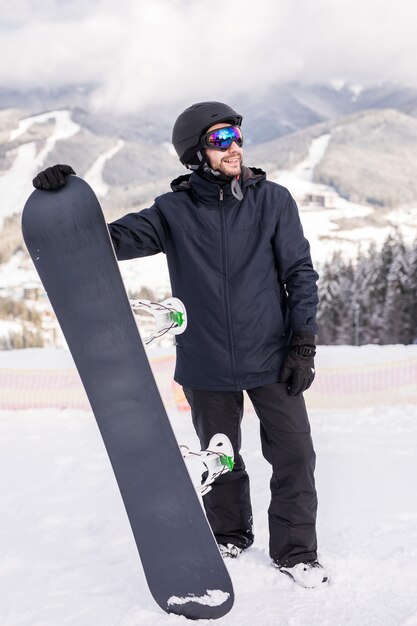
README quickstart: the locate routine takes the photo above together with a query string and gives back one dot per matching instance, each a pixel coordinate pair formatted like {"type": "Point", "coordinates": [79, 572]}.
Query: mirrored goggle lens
{"type": "Point", "coordinates": [222, 138]}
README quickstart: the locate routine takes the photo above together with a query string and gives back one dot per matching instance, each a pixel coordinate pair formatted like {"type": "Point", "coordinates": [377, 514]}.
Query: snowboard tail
{"type": "Point", "coordinates": [70, 245]}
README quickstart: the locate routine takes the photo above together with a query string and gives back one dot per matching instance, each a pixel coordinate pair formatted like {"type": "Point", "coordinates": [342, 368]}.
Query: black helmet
{"type": "Point", "coordinates": [192, 124]}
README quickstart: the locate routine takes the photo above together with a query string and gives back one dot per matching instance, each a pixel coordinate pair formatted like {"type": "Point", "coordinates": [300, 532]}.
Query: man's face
{"type": "Point", "coordinates": [227, 161]}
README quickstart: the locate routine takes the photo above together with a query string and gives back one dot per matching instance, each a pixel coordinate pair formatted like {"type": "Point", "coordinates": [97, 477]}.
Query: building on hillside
{"type": "Point", "coordinates": [315, 199]}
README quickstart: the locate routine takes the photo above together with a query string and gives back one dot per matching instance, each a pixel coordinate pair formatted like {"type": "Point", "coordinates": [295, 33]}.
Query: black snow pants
{"type": "Point", "coordinates": [286, 445]}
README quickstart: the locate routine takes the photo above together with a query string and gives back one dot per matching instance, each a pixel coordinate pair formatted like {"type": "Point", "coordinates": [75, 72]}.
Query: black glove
{"type": "Point", "coordinates": [298, 370]}
{"type": "Point", "coordinates": [53, 177]}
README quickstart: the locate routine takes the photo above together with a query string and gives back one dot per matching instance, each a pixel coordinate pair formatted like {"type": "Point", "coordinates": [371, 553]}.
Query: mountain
{"type": "Point", "coordinates": [372, 159]}
{"type": "Point", "coordinates": [370, 156]}
{"type": "Point", "coordinates": [348, 156]}
{"type": "Point", "coordinates": [268, 113]}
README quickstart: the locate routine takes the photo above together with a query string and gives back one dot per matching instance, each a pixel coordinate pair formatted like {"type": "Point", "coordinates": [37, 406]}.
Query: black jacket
{"type": "Point", "coordinates": [242, 268]}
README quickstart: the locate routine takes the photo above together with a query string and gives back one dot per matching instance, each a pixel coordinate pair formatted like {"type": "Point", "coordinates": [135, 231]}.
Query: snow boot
{"type": "Point", "coordinates": [229, 550]}
{"type": "Point", "coordinates": [309, 575]}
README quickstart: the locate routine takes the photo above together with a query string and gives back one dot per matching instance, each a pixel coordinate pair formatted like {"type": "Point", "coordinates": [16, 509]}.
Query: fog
{"type": "Point", "coordinates": [139, 52]}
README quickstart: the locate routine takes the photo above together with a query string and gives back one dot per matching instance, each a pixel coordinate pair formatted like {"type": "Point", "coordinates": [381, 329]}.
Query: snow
{"type": "Point", "coordinates": [18, 271]}
{"type": "Point", "coordinates": [94, 176]}
{"type": "Point", "coordinates": [7, 327]}
{"type": "Point", "coordinates": [16, 183]}
{"type": "Point", "coordinates": [406, 217]}
{"type": "Point", "coordinates": [356, 90]}
{"type": "Point", "coordinates": [41, 358]}
{"type": "Point", "coordinates": [68, 556]}
{"type": "Point", "coordinates": [338, 83]}
{"type": "Point", "coordinates": [320, 224]}
{"type": "Point", "coordinates": [151, 272]}
{"type": "Point", "coordinates": [358, 356]}
{"type": "Point", "coordinates": [303, 171]}
{"type": "Point", "coordinates": [64, 126]}
{"type": "Point", "coordinates": [213, 597]}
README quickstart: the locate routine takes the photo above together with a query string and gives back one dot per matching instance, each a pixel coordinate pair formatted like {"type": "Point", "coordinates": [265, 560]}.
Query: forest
{"type": "Point", "coordinates": [372, 299]}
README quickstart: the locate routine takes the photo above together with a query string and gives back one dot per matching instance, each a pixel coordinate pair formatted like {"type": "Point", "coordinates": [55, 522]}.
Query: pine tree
{"type": "Point", "coordinates": [364, 297]}
{"type": "Point", "coordinates": [373, 300]}
{"type": "Point", "coordinates": [411, 295]}
{"type": "Point", "coordinates": [335, 293]}
{"type": "Point", "coordinates": [380, 287]}
{"type": "Point", "coordinates": [325, 314]}
{"type": "Point", "coordinates": [395, 322]}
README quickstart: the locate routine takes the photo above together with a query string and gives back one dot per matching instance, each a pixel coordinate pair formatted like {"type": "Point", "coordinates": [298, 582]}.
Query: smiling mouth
{"type": "Point", "coordinates": [232, 160]}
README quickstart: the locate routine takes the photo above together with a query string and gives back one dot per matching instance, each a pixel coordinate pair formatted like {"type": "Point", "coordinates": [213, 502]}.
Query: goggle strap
{"type": "Point", "coordinates": [209, 170]}
{"type": "Point", "coordinates": [195, 167]}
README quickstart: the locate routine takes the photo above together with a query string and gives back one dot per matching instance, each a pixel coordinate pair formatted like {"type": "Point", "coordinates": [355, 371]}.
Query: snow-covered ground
{"type": "Point", "coordinates": [67, 556]}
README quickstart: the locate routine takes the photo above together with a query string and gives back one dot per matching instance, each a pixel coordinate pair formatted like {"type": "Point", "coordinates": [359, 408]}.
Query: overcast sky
{"type": "Point", "coordinates": [141, 51]}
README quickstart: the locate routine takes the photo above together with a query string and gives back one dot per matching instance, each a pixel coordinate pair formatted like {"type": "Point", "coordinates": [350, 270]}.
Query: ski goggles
{"type": "Point", "coordinates": [222, 138]}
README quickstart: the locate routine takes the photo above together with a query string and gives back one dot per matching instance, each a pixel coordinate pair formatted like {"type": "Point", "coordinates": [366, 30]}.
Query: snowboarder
{"type": "Point", "coordinates": [239, 261]}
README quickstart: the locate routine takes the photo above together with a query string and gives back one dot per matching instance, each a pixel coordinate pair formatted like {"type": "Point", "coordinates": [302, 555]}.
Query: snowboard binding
{"type": "Point", "coordinates": [170, 317]}
{"type": "Point", "coordinates": [216, 460]}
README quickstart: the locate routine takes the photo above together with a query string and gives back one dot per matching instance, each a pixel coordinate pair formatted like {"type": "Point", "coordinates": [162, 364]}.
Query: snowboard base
{"type": "Point", "coordinates": [69, 242]}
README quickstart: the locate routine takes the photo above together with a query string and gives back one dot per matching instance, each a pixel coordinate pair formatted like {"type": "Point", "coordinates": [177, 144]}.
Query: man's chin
{"type": "Point", "coordinates": [232, 171]}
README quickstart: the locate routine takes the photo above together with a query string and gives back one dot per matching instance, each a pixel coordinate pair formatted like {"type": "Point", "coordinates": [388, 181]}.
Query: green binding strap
{"type": "Point", "coordinates": [227, 461]}
{"type": "Point", "coordinates": [177, 317]}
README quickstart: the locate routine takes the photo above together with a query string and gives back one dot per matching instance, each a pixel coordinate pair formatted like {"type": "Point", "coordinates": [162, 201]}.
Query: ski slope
{"type": "Point", "coordinates": [28, 159]}
{"type": "Point", "coordinates": [94, 175]}
{"type": "Point", "coordinates": [68, 557]}
{"type": "Point", "coordinates": [322, 227]}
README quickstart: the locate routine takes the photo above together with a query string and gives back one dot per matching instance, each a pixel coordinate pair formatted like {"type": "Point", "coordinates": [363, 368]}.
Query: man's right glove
{"type": "Point", "coordinates": [53, 177]}
{"type": "Point", "coordinates": [298, 370]}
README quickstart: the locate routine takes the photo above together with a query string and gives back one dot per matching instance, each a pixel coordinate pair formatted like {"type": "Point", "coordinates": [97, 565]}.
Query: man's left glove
{"type": "Point", "coordinates": [298, 370]}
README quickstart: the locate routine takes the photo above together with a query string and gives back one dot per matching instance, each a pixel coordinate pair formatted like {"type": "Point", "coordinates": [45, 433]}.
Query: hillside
{"type": "Point", "coordinates": [269, 113]}
{"type": "Point", "coordinates": [372, 159]}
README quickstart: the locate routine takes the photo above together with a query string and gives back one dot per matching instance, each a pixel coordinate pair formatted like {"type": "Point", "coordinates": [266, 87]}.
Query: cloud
{"type": "Point", "coordinates": [141, 52]}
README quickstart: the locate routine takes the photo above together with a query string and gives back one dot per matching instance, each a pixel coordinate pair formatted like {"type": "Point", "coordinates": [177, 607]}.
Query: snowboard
{"type": "Point", "coordinates": [69, 242]}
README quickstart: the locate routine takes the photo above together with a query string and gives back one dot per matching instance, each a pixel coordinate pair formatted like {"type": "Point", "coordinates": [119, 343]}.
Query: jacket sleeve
{"type": "Point", "coordinates": [138, 234]}
{"type": "Point", "coordinates": [295, 269]}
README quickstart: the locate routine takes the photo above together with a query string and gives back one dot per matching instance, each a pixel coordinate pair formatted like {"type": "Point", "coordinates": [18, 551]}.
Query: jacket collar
{"type": "Point", "coordinates": [207, 191]}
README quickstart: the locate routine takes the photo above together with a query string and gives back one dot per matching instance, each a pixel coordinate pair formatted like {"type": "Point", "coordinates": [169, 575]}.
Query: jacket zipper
{"type": "Point", "coordinates": [226, 290]}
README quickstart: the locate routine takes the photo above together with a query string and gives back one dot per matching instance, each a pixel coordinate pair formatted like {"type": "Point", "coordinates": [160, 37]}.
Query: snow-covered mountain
{"type": "Point", "coordinates": [354, 179]}
{"type": "Point", "coordinates": [348, 155]}
{"type": "Point", "coordinates": [269, 113]}
{"type": "Point", "coordinates": [134, 160]}
{"type": "Point", "coordinates": [371, 156]}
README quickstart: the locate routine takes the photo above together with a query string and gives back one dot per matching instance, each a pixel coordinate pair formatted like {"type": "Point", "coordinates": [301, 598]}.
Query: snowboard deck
{"type": "Point", "coordinates": [68, 240]}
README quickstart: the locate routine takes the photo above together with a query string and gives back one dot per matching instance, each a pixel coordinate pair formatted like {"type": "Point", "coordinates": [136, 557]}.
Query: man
{"type": "Point", "coordinates": [239, 261]}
